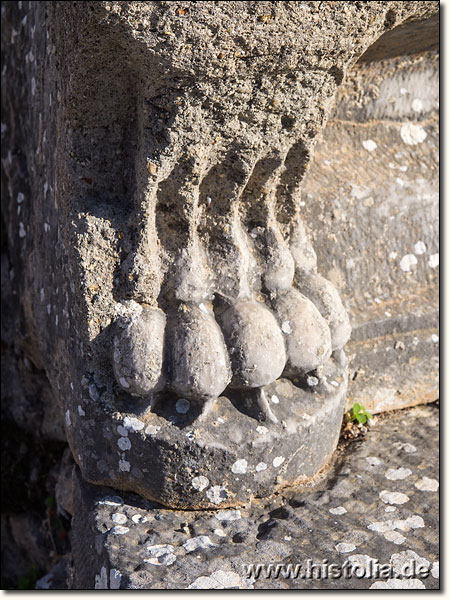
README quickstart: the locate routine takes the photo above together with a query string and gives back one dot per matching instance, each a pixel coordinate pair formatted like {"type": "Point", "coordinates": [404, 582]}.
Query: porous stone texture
{"type": "Point", "coordinates": [153, 156]}
{"type": "Point", "coordinates": [378, 501]}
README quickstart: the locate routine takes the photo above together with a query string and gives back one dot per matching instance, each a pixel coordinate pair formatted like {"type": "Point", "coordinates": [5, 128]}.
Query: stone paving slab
{"type": "Point", "coordinates": [378, 499]}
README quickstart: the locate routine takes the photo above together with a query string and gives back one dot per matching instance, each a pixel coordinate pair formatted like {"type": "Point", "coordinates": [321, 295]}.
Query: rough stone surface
{"type": "Point", "coordinates": [343, 516]}
{"type": "Point", "coordinates": [169, 182]}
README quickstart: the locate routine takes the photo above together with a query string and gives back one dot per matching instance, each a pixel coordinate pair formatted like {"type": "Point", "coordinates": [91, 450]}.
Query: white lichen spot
{"type": "Point", "coordinates": [417, 105]}
{"type": "Point", "coordinates": [433, 261]}
{"type": "Point", "coordinates": [364, 561]}
{"type": "Point", "coordinates": [124, 443]}
{"type": "Point", "coordinates": [124, 465]}
{"type": "Point", "coordinates": [419, 248]}
{"type": "Point", "coordinates": [398, 584]}
{"type": "Point", "coordinates": [152, 429]}
{"type": "Point", "coordinates": [182, 406]}
{"type": "Point", "coordinates": [46, 227]}
{"type": "Point", "coordinates": [412, 134]}
{"type": "Point", "coordinates": [395, 474]}
{"type": "Point", "coordinates": [407, 262]}
{"type": "Point", "coordinates": [139, 519]}
{"type": "Point", "coordinates": [262, 430]}
{"type": "Point", "coordinates": [119, 518]}
{"type": "Point", "coordinates": [133, 423]}
{"type": "Point", "coordinates": [275, 399]}
{"type": "Point", "coordinates": [221, 580]}
{"type": "Point", "coordinates": [240, 466]}
{"type": "Point", "coordinates": [20, 198]}
{"type": "Point", "coordinates": [343, 548]}
{"type": "Point", "coordinates": [389, 509]}
{"type": "Point", "coordinates": [81, 411]}
{"type": "Point", "coordinates": [197, 543]}
{"type": "Point", "coordinates": [312, 381]}
{"type": "Point", "coordinates": [68, 417]}
{"type": "Point", "coordinates": [122, 431]}
{"type": "Point", "coordinates": [427, 485]}
{"type": "Point", "coordinates": [22, 232]}
{"type": "Point", "coordinates": [434, 338]}
{"type": "Point", "coordinates": [228, 515]}
{"type": "Point", "coordinates": [408, 562]}
{"type": "Point", "coordinates": [403, 91]}
{"type": "Point", "coordinates": [286, 327]}
{"type": "Point", "coordinates": [114, 579]}
{"type": "Point", "coordinates": [119, 530]}
{"type": "Point", "coordinates": [162, 554]}
{"type": "Point", "coordinates": [278, 461]}
{"type": "Point", "coordinates": [435, 570]}
{"type": "Point", "coordinates": [123, 382]}
{"type": "Point", "coordinates": [369, 145]}
{"type": "Point", "coordinates": [339, 510]}
{"type": "Point", "coordinates": [393, 255]}
{"type": "Point", "coordinates": [217, 494]}
{"type": "Point", "coordinates": [393, 497]}
{"type": "Point", "coordinates": [395, 537]}
{"type": "Point", "coordinates": [200, 483]}
{"type": "Point", "coordinates": [261, 467]}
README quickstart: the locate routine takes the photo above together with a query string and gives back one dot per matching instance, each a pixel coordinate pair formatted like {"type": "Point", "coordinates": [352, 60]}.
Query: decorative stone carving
{"type": "Point", "coordinates": [195, 348]}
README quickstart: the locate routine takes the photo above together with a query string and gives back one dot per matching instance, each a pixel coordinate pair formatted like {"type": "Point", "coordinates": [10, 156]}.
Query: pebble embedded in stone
{"type": "Point", "coordinates": [119, 530]}
{"type": "Point", "coordinates": [182, 406]}
{"type": "Point", "coordinates": [162, 554]}
{"type": "Point", "coordinates": [119, 518]}
{"type": "Point", "coordinates": [122, 431]}
{"type": "Point", "coordinates": [220, 532]}
{"type": "Point", "coordinates": [343, 548]}
{"type": "Point", "coordinates": [427, 485]}
{"type": "Point", "coordinates": [312, 381]}
{"type": "Point", "coordinates": [111, 501]}
{"type": "Point", "coordinates": [133, 424]}
{"type": "Point", "coordinates": [396, 474]}
{"type": "Point", "coordinates": [138, 519]}
{"type": "Point", "coordinates": [393, 497]}
{"type": "Point", "coordinates": [240, 466]}
{"type": "Point", "coordinates": [278, 461]}
{"type": "Point", "coordinates": [197, 543]}
{"type": "Point", "coordinates": [81, 411]}
{"type": "Point", "coordinates": [339, 510]}
{"type": "Point", "coordinates": [152, 429]}
{"type": "Point", "coordinates": [262, 430]}
{"type": "Point", "coordinates": [275, 399]}
{"type": "Point", "coordinates": [261, 467]}
{"type": "Point", "coordinates": [200, 483]}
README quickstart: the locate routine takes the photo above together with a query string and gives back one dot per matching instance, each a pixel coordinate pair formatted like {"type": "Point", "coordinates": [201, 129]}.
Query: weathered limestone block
{"type": "Point", "coordinates": [153, 159]}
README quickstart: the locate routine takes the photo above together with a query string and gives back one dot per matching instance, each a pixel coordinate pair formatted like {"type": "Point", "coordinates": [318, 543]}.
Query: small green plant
{"type": "Point", "coordinates": [360, 414]}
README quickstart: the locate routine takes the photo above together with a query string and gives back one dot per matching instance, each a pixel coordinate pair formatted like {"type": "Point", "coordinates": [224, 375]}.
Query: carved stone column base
{"type": "Point", "coordinates": [225, 458]}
